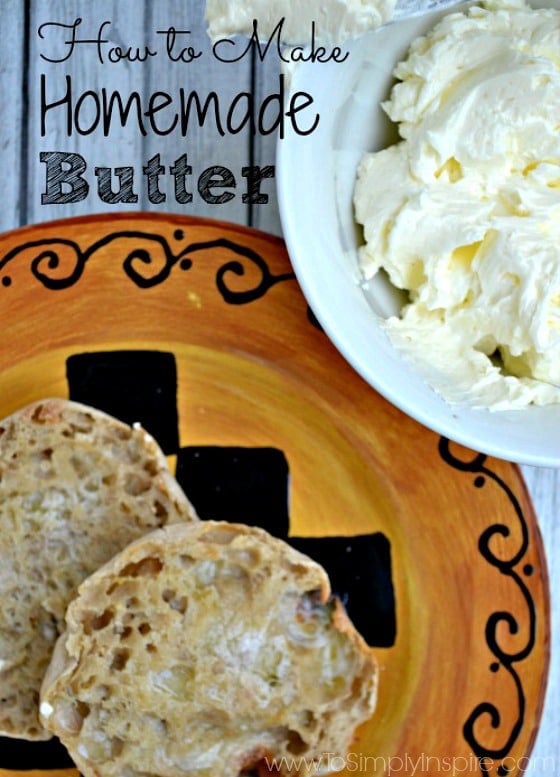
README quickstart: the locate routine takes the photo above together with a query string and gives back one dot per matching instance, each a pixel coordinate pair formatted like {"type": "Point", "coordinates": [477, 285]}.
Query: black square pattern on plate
{"type": "Point", "coordinates": [240, 485]}
{"type": "Point", "coordinates": [22, 756]}
{"type": "Point", "coordinates": [359, 569]}
{"type": "Point", "coordinates": [135, 386]}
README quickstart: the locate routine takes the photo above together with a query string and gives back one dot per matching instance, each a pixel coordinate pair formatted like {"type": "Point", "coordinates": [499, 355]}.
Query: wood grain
{"type": "Point", "coordinates": [12, 127]}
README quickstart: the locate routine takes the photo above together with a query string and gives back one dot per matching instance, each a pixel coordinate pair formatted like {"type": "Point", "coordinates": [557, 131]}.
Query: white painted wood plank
{"type": "Point", "coordinates": [12, 89]}
{"type": "Point", "coordinates": [544, 487]}
{"type": "Point", "coordinates": [85, 73]}
{"type": "Point", "coordinates": [265, 215]}
{"type": "Point", "coordinates": [201, 148]}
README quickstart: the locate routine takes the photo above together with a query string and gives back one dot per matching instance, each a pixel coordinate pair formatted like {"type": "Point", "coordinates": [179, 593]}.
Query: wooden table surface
{"type": "Point", "coordinates": [37, 53]}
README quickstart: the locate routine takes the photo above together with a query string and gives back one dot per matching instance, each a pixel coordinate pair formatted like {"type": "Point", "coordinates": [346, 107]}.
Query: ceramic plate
{"type": "Point", "coordinates": [322, 238]}
{"type": "Point", "coordinates": [198, 330]}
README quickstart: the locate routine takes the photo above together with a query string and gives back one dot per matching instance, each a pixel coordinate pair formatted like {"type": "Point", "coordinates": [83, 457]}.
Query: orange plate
{"type": "Point", "coordinates": [462, 682]}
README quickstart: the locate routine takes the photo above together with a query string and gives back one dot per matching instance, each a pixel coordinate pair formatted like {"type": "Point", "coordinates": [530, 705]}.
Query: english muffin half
{"type": "Point", "coordinates": [76, 486]}
{"type": "Point", "coordinates": [207, 649]}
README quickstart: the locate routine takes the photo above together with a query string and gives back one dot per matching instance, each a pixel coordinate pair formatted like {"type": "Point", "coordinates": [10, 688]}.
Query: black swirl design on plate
{"type": "Point", "coordinates": [147, 260]}
{"type": "Point", "coordinates": [501, 620]}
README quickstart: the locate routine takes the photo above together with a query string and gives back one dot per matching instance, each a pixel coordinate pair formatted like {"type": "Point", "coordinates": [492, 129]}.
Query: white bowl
{"type": "Point", "coordinates": [315, 179]}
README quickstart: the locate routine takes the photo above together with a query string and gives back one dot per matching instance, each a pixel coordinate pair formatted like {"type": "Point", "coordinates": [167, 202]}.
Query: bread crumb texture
{"type": "Point", "coordinates": [206, 649]}
{"type": "Point", "coordinates": [76, 486]}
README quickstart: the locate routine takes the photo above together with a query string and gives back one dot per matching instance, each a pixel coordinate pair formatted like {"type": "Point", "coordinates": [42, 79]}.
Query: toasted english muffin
{"type": "Point", "coordinates": [207, 649]}
{"type": "Point", "coordinates": [76, 486]}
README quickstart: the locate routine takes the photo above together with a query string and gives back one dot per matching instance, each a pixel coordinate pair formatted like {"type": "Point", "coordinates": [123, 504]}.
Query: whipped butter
{"type": "Point", "coordinates": [464, 211]}
{"type": "Point", "coordinates": [335, 21]}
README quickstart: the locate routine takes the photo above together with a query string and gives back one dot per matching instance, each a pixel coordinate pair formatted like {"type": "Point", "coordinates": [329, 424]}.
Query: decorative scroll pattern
{"type": "Point", "coordinates": [505, 660]}
{"type": "Point", "coordinates": [147, 260]}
